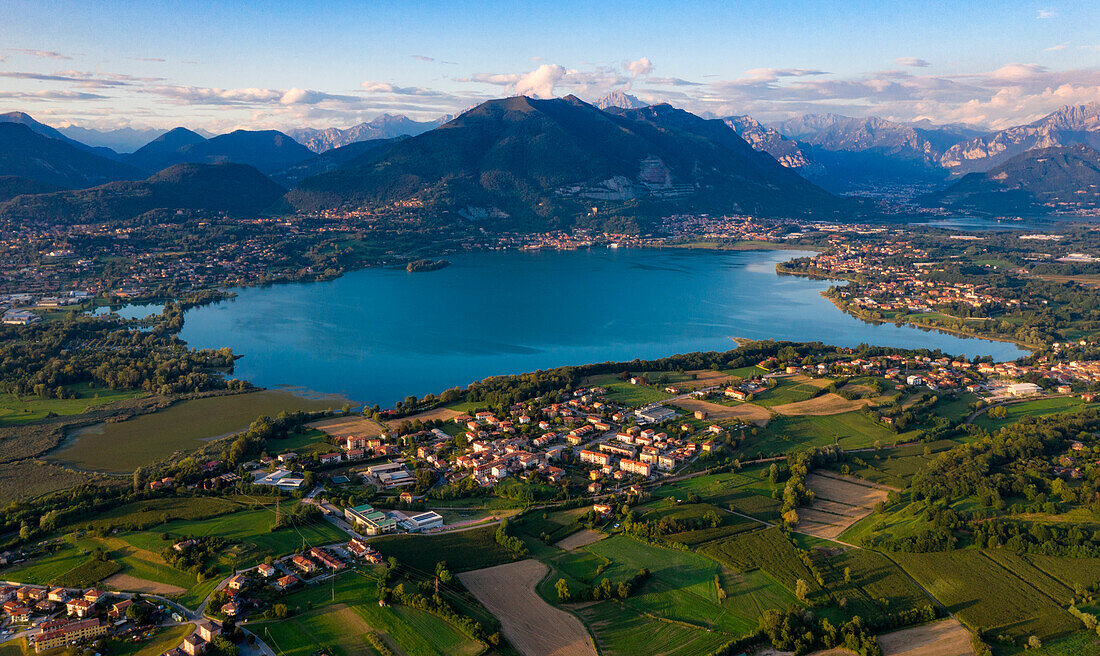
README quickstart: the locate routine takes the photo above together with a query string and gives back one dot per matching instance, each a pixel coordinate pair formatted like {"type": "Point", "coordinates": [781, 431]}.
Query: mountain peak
{"type": "Point", "coordinates": [537, 160]}
{"type": "Point", "coordinates": [1067, 126]}
{"type": "Point", "coordinates": [618, 99]}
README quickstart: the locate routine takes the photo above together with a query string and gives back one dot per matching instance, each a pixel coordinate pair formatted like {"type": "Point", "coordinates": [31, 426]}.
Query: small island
{"type": "Point", "coordinates": [426, 265]}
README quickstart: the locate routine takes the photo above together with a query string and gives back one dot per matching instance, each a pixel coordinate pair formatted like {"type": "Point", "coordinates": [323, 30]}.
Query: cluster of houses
{"type": "Point", "coordinates": [902, 287]}
{"type": "Point", "coordinates": [635, 451]}
{"type": "Point", "coordinates": [72, 615]}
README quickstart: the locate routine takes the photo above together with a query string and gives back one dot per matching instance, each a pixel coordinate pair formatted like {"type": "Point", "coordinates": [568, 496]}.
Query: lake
{"type": "Point", "coordinates": [378, 335]}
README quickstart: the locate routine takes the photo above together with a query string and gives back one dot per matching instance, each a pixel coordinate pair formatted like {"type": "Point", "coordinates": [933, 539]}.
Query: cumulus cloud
{"type": "Point", "coordinates": [912, 62]}
{"type": "Point", "coordinates": [639, 67]}
{"type": "Point", "coordinates": [540, 82]}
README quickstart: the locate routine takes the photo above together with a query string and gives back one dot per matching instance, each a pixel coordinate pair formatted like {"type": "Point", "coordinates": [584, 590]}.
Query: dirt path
{"type": "Point", "coordinates": [943, 638]}
{"type": "Point", "coordinates": [128, 583]}
{"type": "Point", "coordinates": [532, 626]}
{"type": "Point", "coordinates": [579, 539]}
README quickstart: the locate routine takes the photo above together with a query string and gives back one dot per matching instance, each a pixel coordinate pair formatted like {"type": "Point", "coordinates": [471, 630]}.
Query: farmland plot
{"type": "Point", "coordinates": [943, 638]}
{"type": "Point", "coordinates": [532, 626]}
{"type": "Point", "coordinates": [839, 502]}
{"type": "Point", "coordinates": [986, 596]}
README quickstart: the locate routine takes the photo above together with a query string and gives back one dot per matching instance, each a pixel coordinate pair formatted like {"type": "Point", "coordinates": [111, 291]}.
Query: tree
{"type": "Point", "coordinates": [280, 610]}
{"type": "Point", "coordinates": [562, 589]}
{"type": "Point", "coordinates": [802, 589]}
{"type": "Point", "coordinates": [1034, 642]}
{"type": "Point", "coordinates": [223, 647]}
{"type": "Point", "coordinates": [847, 574]}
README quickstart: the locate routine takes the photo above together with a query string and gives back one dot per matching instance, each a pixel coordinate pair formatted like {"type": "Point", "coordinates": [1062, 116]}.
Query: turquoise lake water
{"type": "Point", "coordinates": [378, 335]}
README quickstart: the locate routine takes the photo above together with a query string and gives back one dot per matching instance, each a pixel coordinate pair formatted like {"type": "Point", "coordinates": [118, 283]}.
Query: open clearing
{"type": "Point", "coordinates": [580, 539]}
{"type": "Point", "coordinates": [943, 638]}
{"type": "Point", "coordinates": [440, 414]}
{"type": "Point", "coordinates": [745, 411]}
{"type": "Point", "coordinates": [341, 427]}
{"type": "Point", "coordinates": [839, 502]}
{"type": "Point", "coordinates": [532, 626]}
{"type": "Point", "coordinates": [128, 583]}
{"type": "Point", "coordinates": [820, 406]}
{"type": "Point", "coordinates": [803, 379]}
{"type": "Point", "coordinates": [124, 446]}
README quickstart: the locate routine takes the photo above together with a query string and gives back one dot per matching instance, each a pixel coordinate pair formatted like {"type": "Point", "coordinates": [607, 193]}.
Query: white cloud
{"type": "Point", "coordinates": [42, 54]}
{"type": "Point", "coordinates": [1060, 46]}
{"type": "Point", "coordinates": [639, 67]}
{"type": "Point", "coordinates": [385, 87]}
{"type": "Point", "coordinates": [540, 82]}
{"type": "Point", "coordinates": [1044, 14]}
{"type": "Point", "coordinates": [912, 62]}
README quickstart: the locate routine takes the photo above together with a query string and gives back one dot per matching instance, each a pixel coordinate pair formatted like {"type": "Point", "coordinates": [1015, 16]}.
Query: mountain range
{"type": "Point", "coordinates": [266, 150]}
{"type": "Point", "coordinates": [1069, 126]}
{"type": "Point", "coordinates": [386, 126]}
{"type": "Point", "coordinates": [1035, 181]}
{"type": "Point", "coordinates": [120, 140]}
{"type": "Point", "coordinates": [544, 159]}
{"type": "Point", "coordinates": [538, 159]}
{"type": "Point", "coordinates": [47, 131]}
{"type": "Point", "coordinates": [786, 151]}
{"type": "Point", "coordinates": [236, 189]}
{"type": "Point", "coordinates": [353, 154]}
{"type": "Point", "coordinates": [28, 154]}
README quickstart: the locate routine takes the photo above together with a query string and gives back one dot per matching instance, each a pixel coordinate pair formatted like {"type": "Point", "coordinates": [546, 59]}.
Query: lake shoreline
{"type": "Point", "coordinates": [377, 334]}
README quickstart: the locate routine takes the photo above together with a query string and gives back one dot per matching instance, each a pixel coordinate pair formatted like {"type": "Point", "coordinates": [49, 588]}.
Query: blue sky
{"type": "Point", "coordinates": [220, 65]}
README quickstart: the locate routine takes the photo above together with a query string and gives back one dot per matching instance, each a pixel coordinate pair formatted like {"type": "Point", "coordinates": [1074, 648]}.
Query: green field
{"type": "Point", "coordinates": [768, 550]}
{"type": "Point", "coordinates": [461, 550]}
{"type": "Point", "coordinates": [785, 391]}
{"type": "Point", "coordinates": [137, 552]}
{"type": "Point", "coordinates": [619, 391]}
{"type": "Point", "coordinates": [851, 430]}
{"type": "Point", "coordinates": [620, 631]}
{"type": "Point", "coordinates": [683, 586]}
{"type": "Point", "coordinates": [894, 467]}
{"type": "Point", "coordinates": [161, 642]}
{"type": "Point", "coordinates": [1074, 644]}
{"type": "Point", "coordinates": [308, 441]}
{"type": "Point", "coordinates": [553, 525]}
{"type": "Point", "coordinates": [24, 409]}
{"type": "Point", "coordinates": [1069, 571]}
{"type": "Point", "coordinates": [877, 586]}
{"type": "Point", "coordinates": [339, 628]}
{"type": "Point", "coordinates": [747, 491]}
{"type": "Point", "coordinates": [124, 446]}
{"type": "Point", "coordinates": [985, 596]}
{"type": "Point", "coordinates": [1036, 408]}
{"type": "Point", "coordinates": [88, 573]}
{"type": "Point", "coordinates": [680, 602]}
{"type": "Point", "coordinates": [143, 514]}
